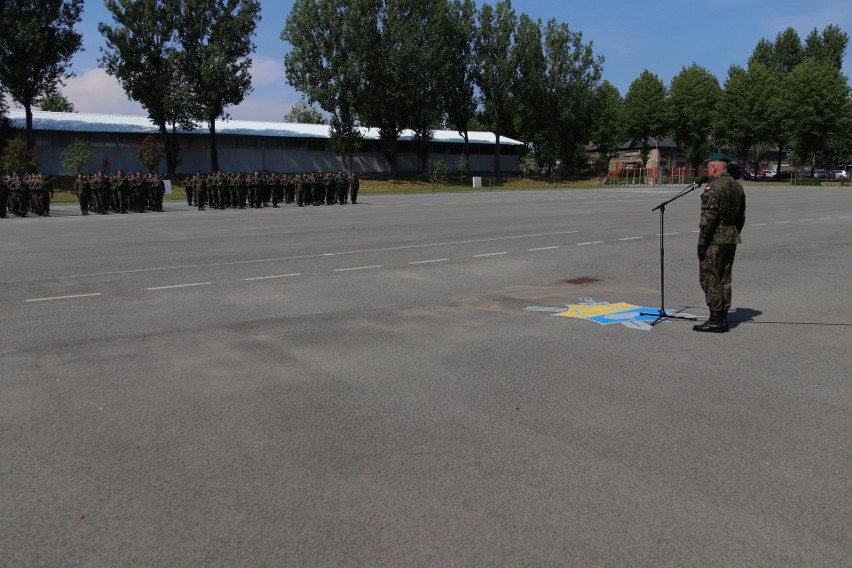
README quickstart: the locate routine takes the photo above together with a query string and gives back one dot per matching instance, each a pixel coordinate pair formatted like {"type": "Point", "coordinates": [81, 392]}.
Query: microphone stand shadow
{"type": "Point", "coordinates": [663, 315]}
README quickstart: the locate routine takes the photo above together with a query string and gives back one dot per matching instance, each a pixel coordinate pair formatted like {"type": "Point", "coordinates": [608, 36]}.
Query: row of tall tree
{"type": "Point", "coordinates": [791, 96]}
{"type": "Point", "coordinates": [184, 61]}
{"type": "Point", "coordinates": [394, 64]}
{"type": "Point", "coordinates": [421, 64]}
{"type": "Point", "coordinates": [424, 64]}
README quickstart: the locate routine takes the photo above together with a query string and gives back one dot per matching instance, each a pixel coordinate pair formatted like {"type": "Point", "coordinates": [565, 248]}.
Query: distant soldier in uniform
{"type": "Point", "coordinates": [22, 189]}
{"type": "Point", "coordinates": [199, 190]}
{"type": "Point", "coordinates": [189, 184]}
{"type": "Point", "coordinates": [723, 206]}
{"type": "Point", "coordinates": [84, 193]}
{"type": "Point", "coordinates": [156, 191]}
{"type": "Point", "coordinates": [354, 184]}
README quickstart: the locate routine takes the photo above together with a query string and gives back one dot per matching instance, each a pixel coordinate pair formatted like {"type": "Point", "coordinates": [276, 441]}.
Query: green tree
{"type": "Point", "coordinates": [459, 101]}
{"type": "Point", "coordinates": [75, 157]}
{"type": "Point", "coordinates": [692, 110]}
{"type": "Point", "coordinates": [496, 71]}
{"type": "Point", "coordinates": [327, 62]}
{"type": "Point", "coordinates": [304, 113]}
{"type": "Point", "coordinates": [215, 38]}
{"type": "Point", "coordinates": [148, 152]}
{"type": "Point", "coordinates": [572, 75]}
{"type": "Point", "coordinates": [746, 110]}
{"type": "Point", "coordinates": [142, 55]}
{"type": "Point", "coordinates": [532, 118]}
{"type": "Point", "coordinates": [17, 157]}
{"type": "Point", "coordinates": [404, 72]}
{"type": "Point", "coordinates": [645, 111]}
{"type": "Point", "coordinates": [55, 101]}
{"type": "Point", "coordinates": [607, 125]}
{"type": "Point", "coordinates": [780, 57]}
{"type": "Point", "coordinates": [438, 174]}
{"type": "Point", "coordinates": [830, 45]}
{"type": "Point", "coordinates": [37, 42]}
{"type": "Point", "coordinates": [814, 106]}
{"type": "Point", "coordinates": [462, 165]}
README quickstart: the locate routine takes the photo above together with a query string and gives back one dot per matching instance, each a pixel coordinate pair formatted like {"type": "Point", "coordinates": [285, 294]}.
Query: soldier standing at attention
{"type": "Point", "coordinates": [188, 185]}
{"type": "Point", "coordinates": [354, 185]}
{"type": "Point", "coordinates": [723, 205]}
{"type": "Point", "coordinates": [84, 193]}
{"type": "Point", "coordinates": [199, 189]}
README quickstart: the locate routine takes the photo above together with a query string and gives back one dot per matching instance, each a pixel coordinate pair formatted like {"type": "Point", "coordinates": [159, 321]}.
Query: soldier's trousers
{"type": "Point", "coordinates": [85, 199]}
{"type": "Point", "coordinates": [714, 274]}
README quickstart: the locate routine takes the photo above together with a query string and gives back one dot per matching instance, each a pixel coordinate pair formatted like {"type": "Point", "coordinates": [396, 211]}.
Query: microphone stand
{"type": "Point", "coordinates": [663, 315]}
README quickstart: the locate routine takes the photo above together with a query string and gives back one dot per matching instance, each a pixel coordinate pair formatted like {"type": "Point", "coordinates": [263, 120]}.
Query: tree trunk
{"type": "Point", "coordinates": [28, 111]}
{"type": "Point", "coordinates": [171, 159]}
{"type": "Point", "coordinates": [466, 150]}
{"type": "Point", "coordinates": [496, 158]}
{"type": "Point", "coordinates": [214, 152]}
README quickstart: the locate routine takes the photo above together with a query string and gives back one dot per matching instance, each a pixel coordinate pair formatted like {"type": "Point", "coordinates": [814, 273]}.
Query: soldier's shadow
{"type": "Point", "coordinates": [742, 315]}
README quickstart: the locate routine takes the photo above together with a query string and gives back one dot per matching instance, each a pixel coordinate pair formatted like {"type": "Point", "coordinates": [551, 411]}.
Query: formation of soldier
{"type": "Point", "coordinates": [120, 193]}
{"type": "Point", "coordinates": [98, 193]}
{"type": "Point", "coordinates": [23, 195]}
{"type": "Point", "coordinates": [223, 190]}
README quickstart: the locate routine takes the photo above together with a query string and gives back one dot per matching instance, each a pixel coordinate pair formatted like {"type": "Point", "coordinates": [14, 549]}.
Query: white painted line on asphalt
{"type": "Point", "coordinates": [64, 297]}
{"type": "Point", "coordinates": [630, 238]}
{"type": "Point", "coordinates": [781, 222]}
{"type": "Point", "coordinates": [358, 268]}
{"type": "Point", "coordinates": [430, 261]}
{"type": "Point", "coordinates": [379, 206]}
{"type": "Point", "coordinates": [271, 277]}
{"type": "Point", "coordinates": [844, 216]}
{"type": "Point", "coordinates": [180, 286]}
{"type": "Point", "coordinates": [295, 257]}
{"type": "Point", "coordinates": [824, 218]}
{"type": "Point", "coordinates": [489, 254]}
{"type": "Point", "coordinates": [803, 220]}
{"type": "Point", "coordinates": [758, 225]}
{"type": "Point", "coordinates": [669, 234]}
{"type": "Point", "coordinates": [591, 243]}
{"type": "Point", "coordinates": [541, 248]}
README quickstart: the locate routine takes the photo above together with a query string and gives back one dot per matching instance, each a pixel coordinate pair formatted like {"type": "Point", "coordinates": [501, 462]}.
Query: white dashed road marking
{"type": "Point", "coordinates": [358, 268]}
{"type": "Point", "coordinates": [271, 277]}
{"type": "Point", "coordinates": [430, 261]}
{"type": "Point", "coordinates": [180, 286]}
{"type": "Point", "coordinates": [64, 297]}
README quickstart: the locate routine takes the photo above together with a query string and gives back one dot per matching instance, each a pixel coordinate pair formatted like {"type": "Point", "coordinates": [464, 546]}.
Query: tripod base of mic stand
{"type": "Point", "coordinates": [663, 315]}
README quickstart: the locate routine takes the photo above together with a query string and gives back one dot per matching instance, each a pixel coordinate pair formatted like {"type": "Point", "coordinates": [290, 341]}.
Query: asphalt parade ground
{"type": "Point", "coordinates": [364, 385]}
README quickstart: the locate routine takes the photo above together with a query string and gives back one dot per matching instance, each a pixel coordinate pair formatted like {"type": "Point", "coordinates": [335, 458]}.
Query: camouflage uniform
{"type": "Point", "coordinates": [84, 193]}
{"type": "Point", "coordinates": [723, 205]}
{"type": "Point", "coordinates": [354, 185]}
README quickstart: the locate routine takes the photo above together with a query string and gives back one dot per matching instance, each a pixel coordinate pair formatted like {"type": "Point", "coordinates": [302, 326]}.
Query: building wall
{"type": "Point", "coordinates": [114, 151]}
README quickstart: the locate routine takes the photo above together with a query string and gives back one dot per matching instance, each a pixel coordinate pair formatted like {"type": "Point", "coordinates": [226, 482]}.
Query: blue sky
{"type": "Point", "coordinates": [661, 36]}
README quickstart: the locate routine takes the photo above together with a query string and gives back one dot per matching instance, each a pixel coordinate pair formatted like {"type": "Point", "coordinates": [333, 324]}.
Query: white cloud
{"type": "Point", "coordinates": [96, 92]}
{"type": "Point", "coordinates": [267, 71]}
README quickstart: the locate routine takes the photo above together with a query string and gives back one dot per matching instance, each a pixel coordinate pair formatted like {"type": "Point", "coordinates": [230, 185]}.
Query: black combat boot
{"type": "Point", "coordinates": [725, 326]}
{"type": "Point", "coordinates": [715, 324]}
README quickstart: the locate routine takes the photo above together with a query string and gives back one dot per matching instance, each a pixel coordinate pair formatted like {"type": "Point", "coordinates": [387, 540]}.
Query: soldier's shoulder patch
{"type": "Point", "coordinates": [708, 188]}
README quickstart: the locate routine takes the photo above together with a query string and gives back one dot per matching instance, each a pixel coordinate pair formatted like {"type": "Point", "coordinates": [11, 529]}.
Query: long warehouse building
{"type": "Point", "coordinates": [246, 146]}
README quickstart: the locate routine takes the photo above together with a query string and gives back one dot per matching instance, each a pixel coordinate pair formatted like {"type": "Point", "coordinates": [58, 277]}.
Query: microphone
{"type": "Point", "coordinates": [702, 180]}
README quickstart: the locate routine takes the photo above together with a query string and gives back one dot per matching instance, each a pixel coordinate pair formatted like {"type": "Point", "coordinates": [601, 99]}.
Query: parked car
{"type": "Point", "coordinates": [841, 174]}
{"type": "Point", "coordinates": [820, 173]}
